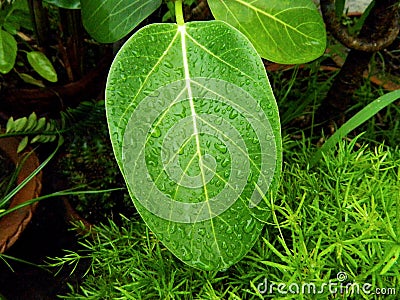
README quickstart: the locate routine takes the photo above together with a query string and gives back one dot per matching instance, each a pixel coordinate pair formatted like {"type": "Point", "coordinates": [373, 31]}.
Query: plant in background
{"type": "Point", "coordinates": [12, 17]}
{"type": "Point", "coordinates": [342, 217]}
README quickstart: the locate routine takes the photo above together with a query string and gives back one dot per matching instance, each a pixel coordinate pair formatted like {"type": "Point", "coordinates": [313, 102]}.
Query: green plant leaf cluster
{"type": "Point", "coordinates": [42, 130]}
{"type": "Point", "coordinates": [12, 18]}
{"type": "Point", "coordinates": [362, 116]}
{"type": "Point", "coordinates": [342, 217]}
{"type": "Point", "coordinates": [281, 31]}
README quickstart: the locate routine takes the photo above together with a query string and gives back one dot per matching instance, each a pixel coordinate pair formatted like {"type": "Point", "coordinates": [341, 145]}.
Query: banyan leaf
{"type": "Point", "coordinates": [69, 4]}
{"type": "Point", "coordinates": [195, 130]}
{"type": "Point", "coordinates": [283, 31]}
{"type": "Point", "coordinates": [42, 65]}
{"type": "Point", "coordinates": [107, 21]}
{"type": "Point", "coordinates": [8, 51]}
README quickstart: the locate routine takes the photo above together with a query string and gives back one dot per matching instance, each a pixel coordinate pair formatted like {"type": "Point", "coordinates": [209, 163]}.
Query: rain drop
{"type": "Point", "coordinates": [233, 114]}
{"type": "Point", "coordinates": [221, 147]}
{"type": "Point", "coordinates": [225, 162]}
{"type": "Point", "coordinates": [250, 224]}
{"type": "Point", "coordinates": [186, 254]}
{"type": "Point", "coordinates": [156, 132]}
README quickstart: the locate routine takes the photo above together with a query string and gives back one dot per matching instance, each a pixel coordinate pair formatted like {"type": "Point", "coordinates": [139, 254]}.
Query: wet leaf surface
{"type": "Point", "coordinates": [195, 130]}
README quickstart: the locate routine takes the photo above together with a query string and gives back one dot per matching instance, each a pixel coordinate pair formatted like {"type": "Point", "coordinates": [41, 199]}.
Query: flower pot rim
{"type": "Point", "coordinates": [14, 223]}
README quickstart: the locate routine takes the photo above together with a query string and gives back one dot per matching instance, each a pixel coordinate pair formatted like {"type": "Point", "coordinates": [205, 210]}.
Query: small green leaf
{"type": "Point", "coordinates": [32, 121]}
{"type": "Point", "coordinates": [8, 51]}
{"type": "Point", "coordinates": [20, 124]}
{"type": "Point", "coordinates": [40, 124]}
{"type": "Point", "coordinates": [69, 4]}
{"type": "Point", "coordinates": [31, 80]}
{"type": "Point", "coordinates": [195, 129]}
{"type": "Point", "coordinates": [289, 32]}
{"type": "Point", "coordinates": [22, 144]}
{"type": "Point", "coordinates": [107, 21]}
{"type": "Point", "coordinates": [391, 258]}
{"type": "Point", "coordinates": [10, 127]}
{"type": "Point", "coordinates": [42, 65]}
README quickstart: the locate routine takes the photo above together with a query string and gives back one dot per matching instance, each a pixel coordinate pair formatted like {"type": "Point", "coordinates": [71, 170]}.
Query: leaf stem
{"type": "Point", "coordinates": [179, 13]}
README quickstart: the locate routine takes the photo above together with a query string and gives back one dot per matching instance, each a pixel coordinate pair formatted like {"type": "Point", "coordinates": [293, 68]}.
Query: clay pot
{"type": "Point", "coordinates": [14, 223]}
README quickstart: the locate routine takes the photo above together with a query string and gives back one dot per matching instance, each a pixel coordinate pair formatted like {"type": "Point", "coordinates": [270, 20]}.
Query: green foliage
{"type": "Point", "coordinates": [365, 114]}
{"type": "Point", "coordinates": [15, 16]}
{"type": "Point", "coordinates": [88, 162]}
{"type": "Point", "coordinates": [5, 199]}
{"type": "Point", "coordinates": [108, 21]}
{"type": "Point", "coordinates": [342, 217]}
{"type": "Point", "coordinates": [31, 80]}
{"type": "Point", "coordinates": [12, 18]}
{"type": "Point", "coordinates": [42, 65]}
{"type": "Point", "coordinates": [198, 158]}
{"type": "Point", "coordinates": [8, 51]}
{"type": "Point", "coordinates": [218, 109]}
{"type": "Point", "coordinates": [289, 32]}
{"type": "Point", "coordinates": [41, 130]}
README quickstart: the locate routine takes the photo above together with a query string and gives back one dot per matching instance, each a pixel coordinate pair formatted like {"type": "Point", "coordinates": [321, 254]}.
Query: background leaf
{"type": "Point", "coordinates": [42, 65]}
{"type": "Point", "coordinates": [8, 51]}
{"type": "Point", "coordinates": [15, 16]}
{"type": "Point", "coordinates": [195, 130]}
{"type": "Point", "coordinates": [107, 21]}
{"type": "Point", "coordinates": [31, 80]}
{"type": "Point", "coordinates": [71, 4]}
{"type": "Point", "coordinates": [283, 31]}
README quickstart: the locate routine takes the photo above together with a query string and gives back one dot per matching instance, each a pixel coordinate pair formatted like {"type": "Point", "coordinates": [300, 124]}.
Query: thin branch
{"type": "Point", "coordinates": [361, 43]}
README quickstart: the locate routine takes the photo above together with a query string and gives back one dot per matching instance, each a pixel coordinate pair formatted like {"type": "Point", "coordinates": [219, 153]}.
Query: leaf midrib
{"type": "Point", "coordinates": [182, 30]}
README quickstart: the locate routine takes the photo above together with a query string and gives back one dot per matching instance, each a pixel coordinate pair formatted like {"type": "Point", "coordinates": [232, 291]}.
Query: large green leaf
{"type": "Point", "coordinates": [283, 31]}
{"type": "Point", "coordinates": [8, 51]}
{"type": "Point", "coordinates": [108, 21]}
{"type": "Point", "coordinates": [195, 130]}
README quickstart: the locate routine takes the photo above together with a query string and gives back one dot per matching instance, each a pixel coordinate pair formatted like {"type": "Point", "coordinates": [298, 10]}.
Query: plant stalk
{"type": "Point", "coordinates": [179, 13]}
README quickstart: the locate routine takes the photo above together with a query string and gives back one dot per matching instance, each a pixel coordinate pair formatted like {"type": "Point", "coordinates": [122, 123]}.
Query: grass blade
{"type": "Point", "coordinates": [362, 116]}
